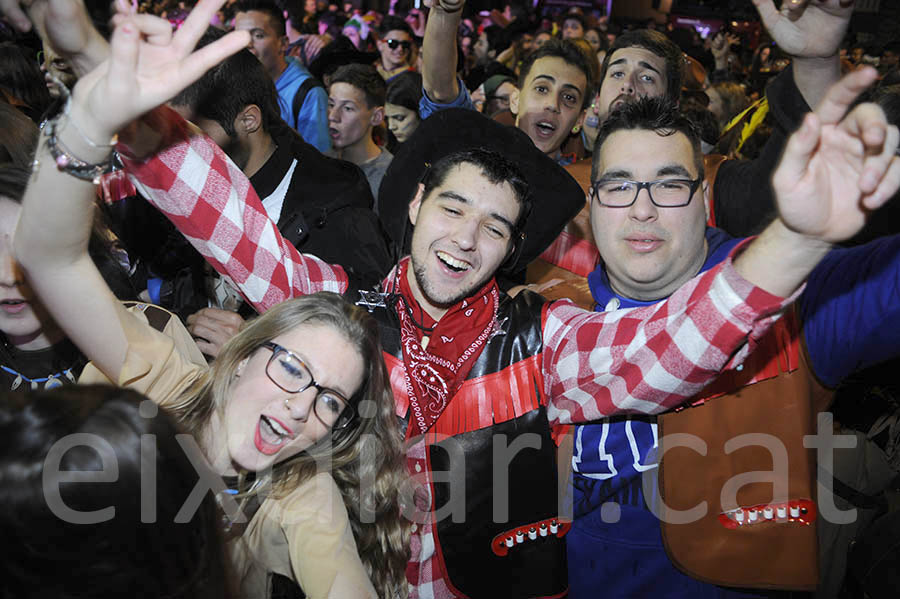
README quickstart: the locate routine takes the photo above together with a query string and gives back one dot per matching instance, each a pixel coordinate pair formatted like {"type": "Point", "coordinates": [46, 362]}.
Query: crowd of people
{"type": "Point", "coordinates": [320, 301]}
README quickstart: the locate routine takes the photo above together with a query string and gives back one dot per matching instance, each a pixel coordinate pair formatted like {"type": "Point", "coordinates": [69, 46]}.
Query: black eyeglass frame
{"type": "Point", "coordinates": [694, 183]}
{"type": "Point", "coordinates": [348, 414]}
{"type": "Point", "coordinates": [393, 44]}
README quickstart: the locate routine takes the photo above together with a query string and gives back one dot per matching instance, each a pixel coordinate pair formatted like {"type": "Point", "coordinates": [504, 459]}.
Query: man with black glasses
{"type": "Point", "coordinates": [648, 217]}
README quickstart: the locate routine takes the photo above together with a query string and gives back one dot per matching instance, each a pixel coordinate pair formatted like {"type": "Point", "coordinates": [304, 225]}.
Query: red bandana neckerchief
{"type": "Point", "coordinates": [433, 376]}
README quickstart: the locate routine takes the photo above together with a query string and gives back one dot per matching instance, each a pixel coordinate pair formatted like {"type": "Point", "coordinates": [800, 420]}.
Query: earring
{"type": "Point", "coordinates": [576, 129]}
{"type": "Point", "coordinates": [240, 367]}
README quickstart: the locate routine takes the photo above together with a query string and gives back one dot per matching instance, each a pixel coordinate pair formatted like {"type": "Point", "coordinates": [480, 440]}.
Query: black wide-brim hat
{"type": "Point", "coordinates": [555, 196]}
{"type": "Point", "coordinates": [338, 53]}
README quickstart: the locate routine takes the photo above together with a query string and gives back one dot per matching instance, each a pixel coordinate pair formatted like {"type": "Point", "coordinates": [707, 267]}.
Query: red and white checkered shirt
{"type": "Point", "coordinates": [595, 364]}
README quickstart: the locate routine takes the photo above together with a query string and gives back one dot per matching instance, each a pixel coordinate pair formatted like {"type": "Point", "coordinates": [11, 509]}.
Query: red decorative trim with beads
{"type": "Point", "coordinates": [552, 527]}
{"type": "Point", "coordinates": [798, 511]}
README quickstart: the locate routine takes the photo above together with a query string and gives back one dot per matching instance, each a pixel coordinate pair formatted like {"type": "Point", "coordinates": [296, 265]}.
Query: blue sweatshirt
{"type": "Point", "coordinates": [312, 119]}
{"type": "Point", "coordinates": [851, 319]}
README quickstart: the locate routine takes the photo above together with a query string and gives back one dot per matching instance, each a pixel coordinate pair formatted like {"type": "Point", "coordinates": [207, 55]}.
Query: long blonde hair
{"type": "Point", "coordinates": [365, 457]}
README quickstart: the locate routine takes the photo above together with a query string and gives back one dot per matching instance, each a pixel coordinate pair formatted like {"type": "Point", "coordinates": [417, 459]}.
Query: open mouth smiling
{"type": "Point", "coordinates": [452, 263]}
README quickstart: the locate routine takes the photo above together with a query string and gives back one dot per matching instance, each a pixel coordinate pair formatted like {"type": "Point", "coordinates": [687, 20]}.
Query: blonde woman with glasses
{"type": "Point", "coordinates": [296, 413]}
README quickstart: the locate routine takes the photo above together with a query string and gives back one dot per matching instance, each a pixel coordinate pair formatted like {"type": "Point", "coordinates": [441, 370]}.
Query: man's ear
{"type": "Point", "coordinates": [705, 187]}
{"type": "Point", "coordinates": [377, 116]}
{"type": "Point", "coordinates": [514, 102]}
{"type": "Point", "coordinates": [248, 120]}
{"type": "Point", "coordinates": [416, 204]}
{"type": "Point", "coordinates": [576, 126]}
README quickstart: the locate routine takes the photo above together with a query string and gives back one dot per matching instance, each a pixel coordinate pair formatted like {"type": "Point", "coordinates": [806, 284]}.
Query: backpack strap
{"type": "Point", "coordinates": [300, 97]}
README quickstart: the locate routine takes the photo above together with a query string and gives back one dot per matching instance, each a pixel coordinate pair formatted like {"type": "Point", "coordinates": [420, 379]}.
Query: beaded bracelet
{"type": "Point", "coordinates": [68, 163]}
{"type": "Point", "coordinates": [65, 160]}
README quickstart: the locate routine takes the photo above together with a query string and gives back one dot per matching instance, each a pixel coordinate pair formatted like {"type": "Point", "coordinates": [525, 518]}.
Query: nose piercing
{"type": "Point", "coordinates": [287, 403]}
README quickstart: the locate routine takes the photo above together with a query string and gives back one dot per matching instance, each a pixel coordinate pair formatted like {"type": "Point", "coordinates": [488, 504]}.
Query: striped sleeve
{"type": "Point", "coordinates": [651, 359]}
{"type": "Point", "coordinates": [211, 202]}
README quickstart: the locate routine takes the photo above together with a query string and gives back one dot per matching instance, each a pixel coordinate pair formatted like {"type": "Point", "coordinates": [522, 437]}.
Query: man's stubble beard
{"type": "Point", "coordinates": [425, 288]}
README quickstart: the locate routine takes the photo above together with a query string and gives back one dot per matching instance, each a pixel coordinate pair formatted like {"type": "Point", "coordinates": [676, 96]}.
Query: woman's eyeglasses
{"type": "Point", "coordinates": [291, 374]}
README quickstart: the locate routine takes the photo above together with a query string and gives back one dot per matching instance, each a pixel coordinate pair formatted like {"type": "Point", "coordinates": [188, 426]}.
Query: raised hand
{"type": "Point", "coordinates": [807, 28]}
{"type": "Point", "coordinates": [147, 66]}
{"type": "Point", "coordinates": [65, 25]}
{"type": "Point", "coordinates": [212, 328]}
{"type": "Point", "coordinates": [448, 6]}
{"type": "Point", "coordinates": [12, 10]}
{"type": "Point", "coordinates": [837, 168]}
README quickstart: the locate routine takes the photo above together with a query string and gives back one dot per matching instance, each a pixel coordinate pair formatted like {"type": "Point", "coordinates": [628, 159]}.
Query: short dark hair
{"type": "Point", "coordinates": [573, 16]}
{"type": "Point", "coordinates": [659, 44]}
{"type": "Point", "coordinates": [498, 38]}
{"type": "Point", "coordinates": [571, 54]}
{"type": "Point", "coordinates": [264, 6]}
{"type": "Point", "coordinates": [392, 23]}
{"type": "Point", "coordinates": [494, 167]}
{"type": "Point", "coordinates": [229, 87]}
{"type": "Point", "coordinates": [892, 46]}
{"type": "Point", "coordinates": [365, 78]}
{"type": "Point", "coordinates": [53, 556]}
{"type": "Point", "coordinates": [648, 114]}
{"type": "Point", "coordinates": [405, 90]}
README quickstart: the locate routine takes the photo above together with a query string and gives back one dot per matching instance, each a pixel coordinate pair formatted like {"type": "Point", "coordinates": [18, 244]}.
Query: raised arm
{"type": "Point", "coordinates": [148, 65]}
{"type": "Point", "coordinates": [835, 169]}
{"type": "Point", "coordinates": [211, 202]}
{"type": "Point", "coordinates": [66, 25]}
{"type": "Point", "coordinates": [439, 51]}
{"type": "Point", "coordinates": [810, 31]}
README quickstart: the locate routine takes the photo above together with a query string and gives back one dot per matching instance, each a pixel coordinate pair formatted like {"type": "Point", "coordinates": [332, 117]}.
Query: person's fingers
{"type": "Point", "coordinates": [123, 57]}
{"type": "Point", "coordinates": [124, 7]}
{"type": "Point", "coordinates": [207, 348]}
{"type": "Point", "coordinates": [155, 30]}
{"type": "Point", "coordinates": [866, 122]}
{"type": "Point", "coordinates": [797, 153]}
{"type": "Point", "coordinates": [794, 8]}
{"type": "Point", "coordinates": [211, 334]}
{"type": "Point", "coordinates": [875, 167]}
{"type": "Point", "coordinates": [887, 188]}
{"type": "Point", "coordinates": [545, 286]}
{"type": "Point", "coordinates": [15, 14]}
{"type": "Point", "coordinates": [841, 95]}
{"type": "Point", "coordinates": [768, 14]}
{"type": "Point", "coordinates": [196, 24]}
{"type": "Point", "coordinates": [224, 317]}
{"type": "Point", "coordinates": [196, 64]}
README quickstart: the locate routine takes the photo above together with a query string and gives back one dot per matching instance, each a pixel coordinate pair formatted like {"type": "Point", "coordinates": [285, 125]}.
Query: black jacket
{"type": "Point", "coordinates": [327, 212]}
